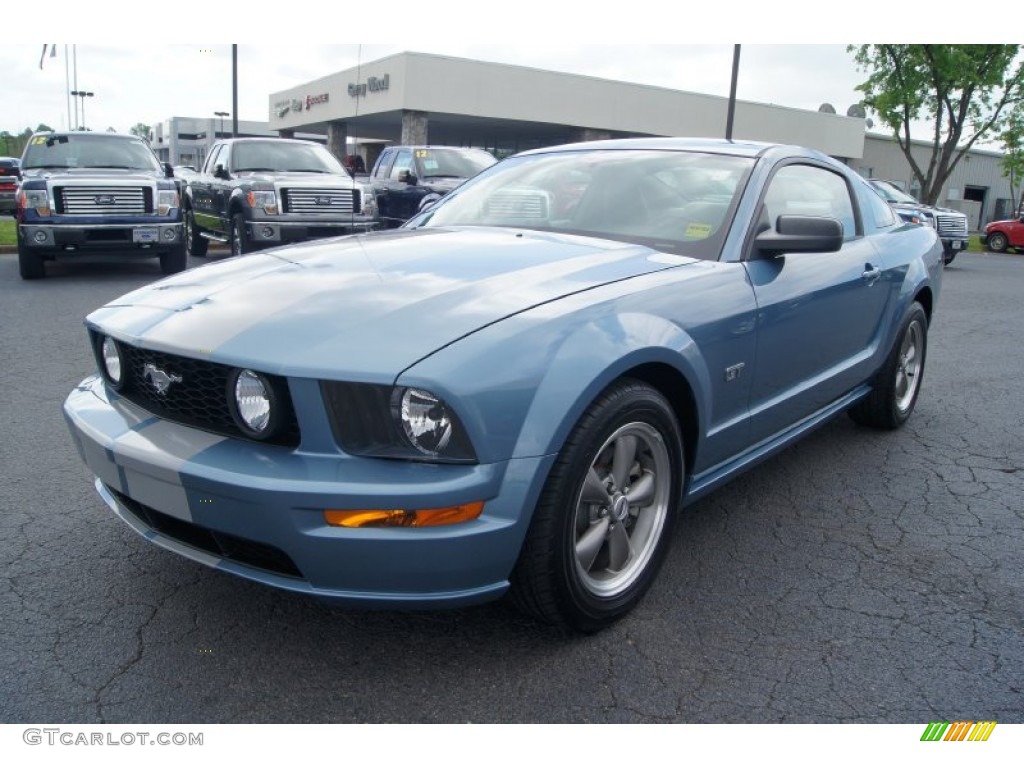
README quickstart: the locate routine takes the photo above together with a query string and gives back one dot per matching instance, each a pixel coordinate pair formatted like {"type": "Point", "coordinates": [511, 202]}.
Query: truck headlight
{"type": "Point", "coordinates": [166, 200]}
{"type": "Point", "coordinates": [263, 198]}
{"type": "Point", "coordinates": [367, 202]}
{"type": "Point", "coordinates": [36, 199]}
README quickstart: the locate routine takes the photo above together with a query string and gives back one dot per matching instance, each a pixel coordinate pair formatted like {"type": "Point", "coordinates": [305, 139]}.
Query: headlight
{"type": "Point", "coordinates": [395, 422]}
{"type": "Point", "coordinates": [255, 404]}
{"type": "Point", "coordinates": [111, 355]}
{"type": "Point", "coordinates": [425, 420]}
{"type": "Point", "coordinates": [263, 198]}
{"type": "Point", "coordinates": [166, 199]}
{"type": "Point", "coordinates": [37, 199]}
{"type": "Point", "coordinates": [367, 201]}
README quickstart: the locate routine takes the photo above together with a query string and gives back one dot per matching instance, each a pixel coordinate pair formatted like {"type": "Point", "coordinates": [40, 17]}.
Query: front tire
{"type": "Point", "coordinates": [174, 261]}
{"type": "Point", "coordinates": [603, 522]}
{"type": "Point", "coordinates": [31, 266]}
{"type": "Point", "coordinates": [997, 242]}
{"type": "Point", "coordinates": [897, 386]}
{"type": "Point", "coordinates": [241, 244]}
{"type": "Point", "coordinates": [194, 241]}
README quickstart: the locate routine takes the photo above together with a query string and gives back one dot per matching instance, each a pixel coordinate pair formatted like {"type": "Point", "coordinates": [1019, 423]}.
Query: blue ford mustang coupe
{"type": "Point", "coordinates": [517, 391]}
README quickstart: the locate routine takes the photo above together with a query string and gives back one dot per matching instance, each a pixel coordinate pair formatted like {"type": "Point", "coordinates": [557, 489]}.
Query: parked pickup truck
{"type": "Point", "coordinates": [254, 193]}
{"type": "Point", "coordinates": [408, 179]}
{"type": "Point", "coordinates": [1000, 235]}
{"type": "Point", "coordinates": [87, 192]}
{"type": "Point", "coordinates": [951, 225]}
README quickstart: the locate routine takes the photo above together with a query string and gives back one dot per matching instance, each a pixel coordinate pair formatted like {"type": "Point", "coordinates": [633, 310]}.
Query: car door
{"type": "Point", "coordinates": [202, 190]}
{"type": "Point", "coordinates": [819, 314]}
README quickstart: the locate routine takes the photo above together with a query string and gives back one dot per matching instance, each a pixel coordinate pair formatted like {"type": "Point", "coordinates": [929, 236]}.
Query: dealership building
{"type": "Point", "coordinates": [416, 98]}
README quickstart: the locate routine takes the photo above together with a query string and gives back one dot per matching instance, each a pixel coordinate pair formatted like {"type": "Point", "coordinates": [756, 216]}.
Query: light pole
{"type": "Point", "coordinates": [221, 115]}
{"type": "Point", "coordinates": [83, 95]}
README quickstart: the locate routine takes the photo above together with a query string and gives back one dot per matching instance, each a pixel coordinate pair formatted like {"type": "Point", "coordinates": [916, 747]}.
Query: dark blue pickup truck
{"type": "Point", "coordinates": [85, 192]}
{"type": "Point", "coordinates": [408, 179]}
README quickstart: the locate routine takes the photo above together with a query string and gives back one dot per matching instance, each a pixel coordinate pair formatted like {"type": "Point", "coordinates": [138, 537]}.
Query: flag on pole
{"type": "Point", "coordinates": [53, 53]}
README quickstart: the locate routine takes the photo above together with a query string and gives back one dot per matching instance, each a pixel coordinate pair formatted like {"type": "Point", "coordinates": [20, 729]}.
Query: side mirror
{"type": "Point", "coordinates": [168, 170]}
{"type": "Point", "coordinates": [800, 234]}
{"type": "Point", "coordinates": [220, 172]}
{"type": "Point", "coordinates": [407, 177]}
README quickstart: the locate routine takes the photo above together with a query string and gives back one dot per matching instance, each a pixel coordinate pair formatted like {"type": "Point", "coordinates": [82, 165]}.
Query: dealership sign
{"type": "Point", "coordinates": [372, 84]}
{"type": "Point", "coordinates": [294, 105]}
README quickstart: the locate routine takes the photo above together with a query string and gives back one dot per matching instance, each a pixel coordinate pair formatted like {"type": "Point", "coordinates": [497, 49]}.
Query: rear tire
{"type": "Point", "coordinates": [898, 383]}
{"type": "Point", "coordinates": [603, 522]}
{"type": "Point", "coordinates": [31, 265]}
{"type": "Point", "coordinates": [948, 256]}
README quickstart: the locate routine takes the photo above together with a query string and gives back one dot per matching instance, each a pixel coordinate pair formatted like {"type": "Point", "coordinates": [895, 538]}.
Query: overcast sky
{"type": "Point", "coordinates": [147, 84]}
{"type": "Point", "coordinates": [690, 49]}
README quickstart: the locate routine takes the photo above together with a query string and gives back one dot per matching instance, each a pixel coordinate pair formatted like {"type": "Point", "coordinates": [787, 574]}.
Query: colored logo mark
{"type": "Point", "coordinates": [960, 730]}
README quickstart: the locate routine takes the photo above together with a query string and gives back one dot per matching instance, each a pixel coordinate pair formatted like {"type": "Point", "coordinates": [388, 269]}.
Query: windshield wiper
{"type": "Point", "coordinates": [442, 176]}
{"type": "Point", "coordinates": [122, 167]}
{"type": "Point", "coordinates": [243, 170]}
{"type": "Point", "coordinates": [308, 170]}
{"type": "Point", "coordinates": [54, 165]}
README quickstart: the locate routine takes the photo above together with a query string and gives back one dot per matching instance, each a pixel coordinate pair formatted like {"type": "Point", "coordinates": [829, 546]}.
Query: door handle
{"type": "Point", "coordinates": [871, 274]}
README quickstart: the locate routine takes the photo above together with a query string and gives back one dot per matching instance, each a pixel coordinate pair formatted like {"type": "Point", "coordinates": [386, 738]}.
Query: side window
{"type": "Point", "coordinates": [380, 171]}
{"type": "Point", "coordinates": [808, 190]}
{"type": "Point", "coordinates": [403, 162]}
{"type": "Point", "coordinates": [211, 161]}
{"type": "Point", "coordinates": [878, 209]}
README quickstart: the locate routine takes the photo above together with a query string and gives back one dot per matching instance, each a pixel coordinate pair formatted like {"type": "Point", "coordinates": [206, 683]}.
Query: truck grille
{"type": "Point", "coordinates": [949, 225]}
{"type": "Point", "coordinates": [198, 395]}
{"type": "Point", "coordinates": [104, 201]}
{"type": "Point", "coordinates": [307, 200]}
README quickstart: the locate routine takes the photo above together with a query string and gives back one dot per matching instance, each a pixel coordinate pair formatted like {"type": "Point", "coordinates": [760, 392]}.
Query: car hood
{"type": "Point", "coordinates": [299, 178]}
{"type": "Point", "coordinates": [58, 175]}
{"type": "Point", "coordinates": [366, 307]}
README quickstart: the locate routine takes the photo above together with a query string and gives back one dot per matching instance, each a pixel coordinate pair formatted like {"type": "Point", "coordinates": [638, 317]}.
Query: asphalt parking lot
{"type": "Point", "coordinates": [857, 577]}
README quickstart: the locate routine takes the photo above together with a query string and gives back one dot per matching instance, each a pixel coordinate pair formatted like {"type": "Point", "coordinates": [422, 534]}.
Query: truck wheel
{"type": "Point", "coordinates": [240, 241]}
{"type": "Point", "coordinates": [30, 265]}
{"type": "Point", "coordinates": [194, 241]}
{"type": "Point", "coordinates": [174, 261]}
{"type": "Point", "coordinates": [997, 242]}
{"type": "Point", "coordinates": [948, 257]}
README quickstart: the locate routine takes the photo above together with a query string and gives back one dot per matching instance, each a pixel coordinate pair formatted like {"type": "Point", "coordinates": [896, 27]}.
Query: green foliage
{"type": "Point", "coordinates": [1012, 139]}
{"type": "Point", "coordinates": [963, 91]}
{"type": "Point", "coordinates": [141, 130]}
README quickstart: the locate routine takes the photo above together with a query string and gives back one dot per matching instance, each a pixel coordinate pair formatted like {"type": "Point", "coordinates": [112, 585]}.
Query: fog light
{"type": "Point", "coordinates": [268, 232]}
{"type": "Point", "coordinates": [169, 234]}
{"type": "Point", "coordinates": [403, 518]}
{"type": "Point", "coordinates": [39, 237]}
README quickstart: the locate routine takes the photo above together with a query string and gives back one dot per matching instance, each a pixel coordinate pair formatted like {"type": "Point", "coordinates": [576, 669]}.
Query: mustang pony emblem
{"type": "Point", "coordinates": [161, 381]}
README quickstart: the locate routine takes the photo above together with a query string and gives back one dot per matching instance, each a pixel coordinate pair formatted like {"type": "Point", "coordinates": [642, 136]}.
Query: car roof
{"type": "Point", "coordinates": [681, 144]}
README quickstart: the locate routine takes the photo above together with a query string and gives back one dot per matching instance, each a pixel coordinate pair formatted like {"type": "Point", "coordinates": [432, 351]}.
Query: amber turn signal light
{"type": "Point", "coordinates": [403, 518]}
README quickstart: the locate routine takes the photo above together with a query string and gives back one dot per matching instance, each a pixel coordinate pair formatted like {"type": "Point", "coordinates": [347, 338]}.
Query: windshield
{"type": "Point", "coordinates": [89, 150]}
{"type": "Point", "coordinates": [283, 156]}
{"type": "Point", "coordinates": [892, 193]}
{"type": "Point", "coordinates": [454, 163]}
{"type": "Point", "coordinates": [674, 201]}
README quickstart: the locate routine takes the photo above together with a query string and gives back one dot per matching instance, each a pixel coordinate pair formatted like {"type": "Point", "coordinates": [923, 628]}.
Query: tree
{"type": "Point", "coordinates": [43, 127]}
{"type": "Point", "coordinates": [963, 90]}
{"type": "Point", "coordinates": [141, 130]}
{"type": "Point", "coordinates": [1012, 139]}
{"type": "Point", "coordinates": [111, 129]}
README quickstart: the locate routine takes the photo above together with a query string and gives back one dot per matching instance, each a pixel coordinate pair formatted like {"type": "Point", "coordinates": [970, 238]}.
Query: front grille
{"type": "Point", "coordinates": [217, 543]}
{"type": "Point", "coordinates": [197, 394]}
{"type": "Point", "coordinates": [104, 201]}
{"type": "Point", "coordinates": [951, 226]}
{"type": "Point", "coordinates": [308, 200]}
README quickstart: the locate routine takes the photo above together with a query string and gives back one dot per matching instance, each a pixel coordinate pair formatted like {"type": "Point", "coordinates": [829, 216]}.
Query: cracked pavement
{"type": "Point", "coordinates": [857, 577]}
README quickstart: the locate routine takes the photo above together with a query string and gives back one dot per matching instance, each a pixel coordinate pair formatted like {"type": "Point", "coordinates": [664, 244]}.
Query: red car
{"type": "Point", "coordinates": [10, 176]}
{"type": "Point", "coordinates": [1000, 235]}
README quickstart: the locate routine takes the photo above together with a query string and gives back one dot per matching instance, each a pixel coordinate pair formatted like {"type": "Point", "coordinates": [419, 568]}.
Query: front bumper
{"type": "Point", "coordinates": [279, 231]}
{"type": "Point", "coordinates": [257, 511]}
{"type": "Point", "coordinates": [61, 237]}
